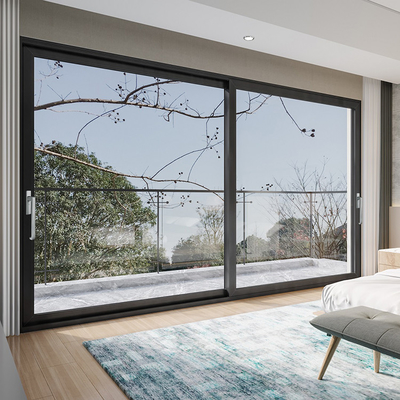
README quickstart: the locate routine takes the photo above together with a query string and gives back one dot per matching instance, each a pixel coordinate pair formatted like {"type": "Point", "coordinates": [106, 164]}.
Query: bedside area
{"type": "Point", "coordinates": [388, 259]}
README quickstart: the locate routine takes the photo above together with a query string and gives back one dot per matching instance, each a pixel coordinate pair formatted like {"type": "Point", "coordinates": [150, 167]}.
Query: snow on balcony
{"type": "Point", "coordinates": [93, 292]}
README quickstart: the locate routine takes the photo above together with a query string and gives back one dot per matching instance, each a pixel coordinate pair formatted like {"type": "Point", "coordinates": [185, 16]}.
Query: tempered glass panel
{"type": "Point", "coordinates": [128, 174]}
{"type": "Point", "coordinates": [292, 190]}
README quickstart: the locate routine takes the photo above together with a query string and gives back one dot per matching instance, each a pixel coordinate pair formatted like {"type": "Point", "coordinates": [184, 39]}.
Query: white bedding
{"type": "Point", "coordinates": [381, 291]}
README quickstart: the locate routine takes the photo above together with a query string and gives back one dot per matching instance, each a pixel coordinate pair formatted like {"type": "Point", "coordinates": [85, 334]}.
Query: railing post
{"type": "Point", "coordinates": [311, 226]}
{"type": "Point", "coordinates": [45, 237]}
{"type": "Point", "coordinates": [244, 228]}
{"type": "Point", "coordinates": [158, 231]}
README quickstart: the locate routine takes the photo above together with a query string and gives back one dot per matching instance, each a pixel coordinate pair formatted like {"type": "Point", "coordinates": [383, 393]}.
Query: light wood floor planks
{"type": "Point", "coordinates": [53, 364]}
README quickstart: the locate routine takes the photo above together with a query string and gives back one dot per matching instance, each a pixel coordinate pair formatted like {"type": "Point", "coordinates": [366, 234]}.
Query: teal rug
{"type": "Point", "coordinates": [270, 354]}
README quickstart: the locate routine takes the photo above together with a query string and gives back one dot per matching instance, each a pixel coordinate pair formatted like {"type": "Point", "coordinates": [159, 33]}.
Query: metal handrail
{"type": "Point", "coordinates": [158, 191]}
{"type": "Point", "coordinates": [186, 190]}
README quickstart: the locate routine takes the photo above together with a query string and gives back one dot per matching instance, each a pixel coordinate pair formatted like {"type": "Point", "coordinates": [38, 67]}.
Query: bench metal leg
{"type": "Point", "coordinates": [333, 344]}
{"type": "Point", "coordinates": [377, 361]}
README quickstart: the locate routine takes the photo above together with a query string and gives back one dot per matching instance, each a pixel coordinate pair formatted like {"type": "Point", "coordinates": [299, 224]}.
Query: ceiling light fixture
{"type": "Point", "coordinates": [248, 38]}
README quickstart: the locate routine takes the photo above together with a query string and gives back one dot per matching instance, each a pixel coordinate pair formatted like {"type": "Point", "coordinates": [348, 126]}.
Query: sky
{"type": "Point", "coordinates": [269, 144]}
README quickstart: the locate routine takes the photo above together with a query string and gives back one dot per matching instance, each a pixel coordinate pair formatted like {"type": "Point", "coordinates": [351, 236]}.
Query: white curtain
{"type": "Point", "coordinates": [370, 174]}
{"type": "Point", "coordinates": [9, 167]}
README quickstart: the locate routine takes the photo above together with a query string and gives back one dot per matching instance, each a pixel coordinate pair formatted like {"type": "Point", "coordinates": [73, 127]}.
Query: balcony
{"type": "Point", "coordinates": [282, 244]}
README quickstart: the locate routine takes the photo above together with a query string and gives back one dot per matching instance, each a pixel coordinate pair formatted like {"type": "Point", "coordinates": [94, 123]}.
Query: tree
{"type": "Point", "coordinates": [321, 203]}
{"type": "Point", "coordinates": [212, 224]}
{"type": "Point", "coordinates": [289, 238]}
{"type": "Point", "coordinates": [85, 233]}
{"type": "Point", "coordinates": [253, 249]}
{"type": "Point", "coordinates": [207, 247]}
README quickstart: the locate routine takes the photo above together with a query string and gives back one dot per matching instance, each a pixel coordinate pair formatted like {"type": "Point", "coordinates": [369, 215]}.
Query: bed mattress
{"type": "Point", "coordinates": [381, 291]}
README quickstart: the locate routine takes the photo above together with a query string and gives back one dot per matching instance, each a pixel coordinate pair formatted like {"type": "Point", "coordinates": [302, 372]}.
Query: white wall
{"type": "Point", "coordinates": [47, 21]}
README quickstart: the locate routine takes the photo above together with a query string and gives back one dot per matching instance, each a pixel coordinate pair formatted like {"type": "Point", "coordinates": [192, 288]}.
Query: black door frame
{"type": "Point", "coordinates": [31, 48]}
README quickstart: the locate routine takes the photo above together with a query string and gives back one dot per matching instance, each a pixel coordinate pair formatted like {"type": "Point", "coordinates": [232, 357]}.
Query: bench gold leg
{"type": "Point", "coordinates": [377, 361]}
{"type": "Point", "coordinates": [333, 344]}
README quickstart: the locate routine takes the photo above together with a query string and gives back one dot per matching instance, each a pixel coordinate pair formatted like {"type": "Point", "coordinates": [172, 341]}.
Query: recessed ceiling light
{"type": "Point", "coordinates": [248, 38]}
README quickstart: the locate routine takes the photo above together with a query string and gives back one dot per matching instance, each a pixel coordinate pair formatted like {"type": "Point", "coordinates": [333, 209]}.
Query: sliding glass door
{"type": "Point", "coordinates": [128, 200]}
{"type": "Point", "coordinates": [294, 187]}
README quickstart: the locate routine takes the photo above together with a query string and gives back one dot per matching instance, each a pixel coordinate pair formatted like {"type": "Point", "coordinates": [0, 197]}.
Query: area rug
{"type": "Point", "coordinates": [269, 354]}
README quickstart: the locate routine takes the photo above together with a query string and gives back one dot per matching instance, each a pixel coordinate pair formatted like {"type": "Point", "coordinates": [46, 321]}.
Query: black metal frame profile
{"type": "Point", "coordinates": [385, 200]}
{"type": "Point", "coordinates": [31, 48]}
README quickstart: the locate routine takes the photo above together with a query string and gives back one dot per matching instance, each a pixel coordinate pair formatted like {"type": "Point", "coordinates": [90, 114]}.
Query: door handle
{"type": "Point", "coordinates": [359, 204]}
{"type": "Point", "coordinates": [31, 210]}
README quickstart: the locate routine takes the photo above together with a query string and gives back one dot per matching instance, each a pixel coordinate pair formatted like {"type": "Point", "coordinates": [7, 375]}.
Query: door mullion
{"type": "Point", "coordinates": [230, 188]}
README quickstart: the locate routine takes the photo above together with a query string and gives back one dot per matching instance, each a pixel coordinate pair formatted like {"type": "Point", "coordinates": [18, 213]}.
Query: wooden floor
{"type": "Point", "coordinates": [53, 364]}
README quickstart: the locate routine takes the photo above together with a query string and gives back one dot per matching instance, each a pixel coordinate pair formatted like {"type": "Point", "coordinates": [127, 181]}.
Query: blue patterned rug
{"type": "Point", "coordinates": [269, 354]}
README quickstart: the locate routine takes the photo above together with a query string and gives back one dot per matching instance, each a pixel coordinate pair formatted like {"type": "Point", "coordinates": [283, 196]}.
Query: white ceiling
{"type": "Point", "coordinates": [392, 4]}
{"type": "Point", "coordinates": [355, 36]}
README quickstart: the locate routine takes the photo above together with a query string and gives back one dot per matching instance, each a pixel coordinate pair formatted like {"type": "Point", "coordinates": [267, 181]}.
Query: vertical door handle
{"type": "Point", "coordinates": [31, 210]}
{"type": "Point", "coordinates": [359, 204]}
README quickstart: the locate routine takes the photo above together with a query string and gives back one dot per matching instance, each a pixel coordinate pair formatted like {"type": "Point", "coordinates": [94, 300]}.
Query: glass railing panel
{"type": "Point", "coordinates": [104, 246]}
{"type": "Point", "coordinates": [287, 236]}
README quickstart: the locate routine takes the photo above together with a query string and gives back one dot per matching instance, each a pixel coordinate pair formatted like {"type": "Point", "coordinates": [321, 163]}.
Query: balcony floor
{"type": "Point", "coordinates": [93, 292]}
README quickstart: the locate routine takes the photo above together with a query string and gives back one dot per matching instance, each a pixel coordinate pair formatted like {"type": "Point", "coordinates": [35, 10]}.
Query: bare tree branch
{"type": "Point", "coordinates": [89, 122]}
{"type": "Point", "coordinates": [182, 156]}
{"type": "Point", "coordinates": [128, 103]}
{"type": "Point", "coordinates": [133, 92]}
{"type": "Point", "coordinates": [141, 104]}
{"type": "Point", "coordinates": [110, 171]}
{"type": "Point", "coordinates": [303, 130]}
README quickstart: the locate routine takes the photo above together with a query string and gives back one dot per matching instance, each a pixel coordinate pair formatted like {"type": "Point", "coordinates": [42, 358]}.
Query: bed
{"type": "Point", "coordinates": [381, 291]}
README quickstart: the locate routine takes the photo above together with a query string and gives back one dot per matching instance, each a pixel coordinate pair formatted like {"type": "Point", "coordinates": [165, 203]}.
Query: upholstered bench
{"type": "Point", "coordinates": [374, 329]}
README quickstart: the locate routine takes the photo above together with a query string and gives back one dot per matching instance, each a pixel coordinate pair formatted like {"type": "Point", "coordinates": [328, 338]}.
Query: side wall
{"type": "Point", "coordinates": [394, 212]}
{"type": "Point", "coordinates": [52, 22]}
{"type": "Point", "coordinates": [396, 147]}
